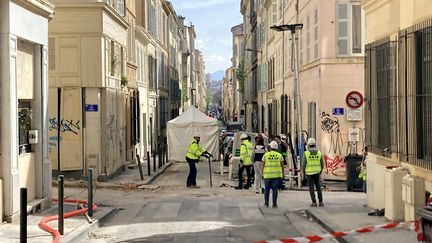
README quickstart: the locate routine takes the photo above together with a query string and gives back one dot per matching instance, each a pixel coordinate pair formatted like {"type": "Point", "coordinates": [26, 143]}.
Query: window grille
{"type": "Point", "coordinates": [380, 94]}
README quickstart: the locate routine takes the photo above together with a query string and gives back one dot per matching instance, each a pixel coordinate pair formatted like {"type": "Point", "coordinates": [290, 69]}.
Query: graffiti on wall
{"type": "Point", "coordinates": [64, 125]}
{"type": "Point", "coordinates": [329, 123]}
{"type": "Point", "coordinates": [335, 165]}
{"type": "Point", "coordinates": [53, 142]}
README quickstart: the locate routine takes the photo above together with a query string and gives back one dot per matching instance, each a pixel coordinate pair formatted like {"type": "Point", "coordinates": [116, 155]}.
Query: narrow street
{"type": "Point", "coordinates": [173, 213]}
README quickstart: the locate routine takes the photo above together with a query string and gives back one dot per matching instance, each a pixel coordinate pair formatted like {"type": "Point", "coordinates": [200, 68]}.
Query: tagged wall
{"type": "Point", "coordinates": [114, 123]}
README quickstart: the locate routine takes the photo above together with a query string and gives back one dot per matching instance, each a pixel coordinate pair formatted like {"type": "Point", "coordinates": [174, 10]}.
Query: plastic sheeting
{"type": "Point", "coordinates": [180, 132]}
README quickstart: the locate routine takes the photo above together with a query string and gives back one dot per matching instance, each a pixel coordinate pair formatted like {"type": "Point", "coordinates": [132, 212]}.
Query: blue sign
{"type": "Point", "coordinates": [338, 111]}
{"type": "Point", "coordinates": [91, 108]}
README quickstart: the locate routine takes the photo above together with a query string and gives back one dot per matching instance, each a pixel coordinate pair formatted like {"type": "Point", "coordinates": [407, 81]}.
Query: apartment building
{"type": "Point", "coordinates": [235, 79]}
{"type": "Point", "coordinates": [397, 93]}
{"type": "Point", "coordinates": [331, 59]}
{"type": "Point", "coordinates": [88, 94]}
{"type": "Point", "coordinates": [248, 9]}
{"type": "Point", "coordinates": [201, 94]}
{"type": "Point", "coordinates": [24, 90]}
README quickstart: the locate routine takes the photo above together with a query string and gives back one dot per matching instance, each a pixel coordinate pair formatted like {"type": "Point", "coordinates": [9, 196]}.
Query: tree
{"type": "Point", "coordinates": [240, 74]}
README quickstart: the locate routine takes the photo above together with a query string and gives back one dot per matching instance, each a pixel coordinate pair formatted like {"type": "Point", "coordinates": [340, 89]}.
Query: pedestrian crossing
{"type": "Point", "coordinates": [200, 211]}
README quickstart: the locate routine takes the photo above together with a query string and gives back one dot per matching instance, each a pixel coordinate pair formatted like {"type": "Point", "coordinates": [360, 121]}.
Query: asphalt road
{"type": "Point", "coordinates": [174, 213]}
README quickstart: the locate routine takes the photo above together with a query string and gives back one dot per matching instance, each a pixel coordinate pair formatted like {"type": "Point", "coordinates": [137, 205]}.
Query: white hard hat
{"type": "Point", "coordinates": [283, 136]}
{"type": "Point", "coordinates": [244, 136]}
{"type": "Point", "coordinates": [311, 142]}
{"type": "Point", "coordinates": [274, 145]}
{"type": "Point", "coordinates": [196, 135]}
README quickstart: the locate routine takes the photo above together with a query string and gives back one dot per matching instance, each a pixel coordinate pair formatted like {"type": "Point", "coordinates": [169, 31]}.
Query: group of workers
{"type": "Point", "coordinates": [267, 163]}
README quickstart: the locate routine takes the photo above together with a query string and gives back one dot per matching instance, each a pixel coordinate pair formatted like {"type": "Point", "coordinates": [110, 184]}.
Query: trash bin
{"type": "Point", "coordinates": [353, 162]}
{"type": "Point", "coordinates": [426, 222]}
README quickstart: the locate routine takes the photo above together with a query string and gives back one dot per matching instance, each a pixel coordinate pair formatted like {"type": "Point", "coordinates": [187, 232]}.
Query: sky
{"type": "Point", "coordinates": [213, 20]}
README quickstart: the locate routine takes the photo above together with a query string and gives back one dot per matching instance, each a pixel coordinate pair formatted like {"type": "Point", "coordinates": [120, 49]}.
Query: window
{"type": "Point", "coordinates": [312, 119]}
{"type": "Point", "coordinates": [274, 11]}
{"type": "Point", "coordinates": [285, 112]}
{"type": "Point", "coordinates": [380, 93]}
{"type": "Point", "coordinates": [308, 27]}
{"type": "Point", "coordinates": [25, 116]}
{"type": "Point", "coordinates": [349, 34]}
{"type": "Point", "coordinates": [316, 50]}
{"type": "Point", "coordinates": [423, 42]}
{"type": "Point", "coordinates": [121, 7]}
{"type": "Point", "coordinates": [271, 73]}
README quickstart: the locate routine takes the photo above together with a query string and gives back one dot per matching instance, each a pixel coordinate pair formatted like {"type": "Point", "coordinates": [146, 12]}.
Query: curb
{"type": "Point", "coordinates": [82, 232]}
{"type": "Point", "coordinates": [325, 226]}
{"type": "Point", "coordinates": [158, 173]}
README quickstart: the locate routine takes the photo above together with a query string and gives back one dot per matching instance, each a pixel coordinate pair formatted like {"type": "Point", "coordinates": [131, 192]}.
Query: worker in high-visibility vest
{"type": "Point", "coordinates": [245, 161]}
{"type": "Point", "coordinates": [363, 171]}
{"type": "Point", "coordinates": [273, 170]}
{"type": "Point", "coordinates": [193, 154]}
{"type": "Point", "coordinates": [312, 167]}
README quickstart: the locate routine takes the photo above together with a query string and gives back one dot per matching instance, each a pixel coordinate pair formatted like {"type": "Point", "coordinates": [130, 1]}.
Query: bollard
{"type": "Point", "coordinates": [154, 161]}
{"type": "Point", "coordinates": [139, 166]}
{"type": "Point", "coordinates": [163, 155]}
{"type": "Point", "coordinates": [159, 158]}
{"type": "Point", "coordinates": [23, 215]}
{"type": "Point", "coordinates": [211, 183]}
{"type": "Point", "coordinates": [148, 164]}
{"type": "Point", "coordinates": [61, 204]}
{"type": "Point", "coordinates": [166, 153]}
{"type": "Point", "coordinates": [90, 193]}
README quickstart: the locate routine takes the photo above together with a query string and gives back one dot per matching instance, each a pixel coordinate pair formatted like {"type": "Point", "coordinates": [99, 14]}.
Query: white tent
{"type": "Point", "coordinates": [180, 132]}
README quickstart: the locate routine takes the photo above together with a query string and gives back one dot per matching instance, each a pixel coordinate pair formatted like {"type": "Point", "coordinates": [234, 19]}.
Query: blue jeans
{"type": "Point", "coordinates": [274, 185]}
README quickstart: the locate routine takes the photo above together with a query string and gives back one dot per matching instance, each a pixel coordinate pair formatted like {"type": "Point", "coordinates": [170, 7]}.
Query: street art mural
{"type": "Point", "coordinates": [332, 148]}
{"type": "Point", "coordinates": [335, 166]}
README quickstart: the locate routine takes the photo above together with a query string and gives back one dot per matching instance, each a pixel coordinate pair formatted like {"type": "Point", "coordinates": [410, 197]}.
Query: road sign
{"type": "Point", "coordinates": [353, 134]}
{"type": "Point", "coordinates": [354, 99]}
{"type": "Point", "coordinates": [338, 111]}
{"type": "Point", "coordinates": [91, 108]}
{"type": "Point", "coordinates": [354, 114]}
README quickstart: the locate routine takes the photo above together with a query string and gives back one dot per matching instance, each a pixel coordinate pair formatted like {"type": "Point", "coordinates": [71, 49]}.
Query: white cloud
{"type": "Point", "coordinates": [215, 58]}
{"type": "Point", "coordinates": [200, 44]}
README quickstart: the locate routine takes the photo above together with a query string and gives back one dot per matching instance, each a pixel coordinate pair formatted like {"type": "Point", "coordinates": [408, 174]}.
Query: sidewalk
{"type": "Point", "coordinates": [77, 228]}
{"type": "Point", "coordinates": [343, 211]}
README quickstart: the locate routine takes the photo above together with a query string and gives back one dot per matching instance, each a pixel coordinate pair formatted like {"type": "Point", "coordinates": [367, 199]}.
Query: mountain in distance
{"type": "Point", "coordinates": [218, 75]}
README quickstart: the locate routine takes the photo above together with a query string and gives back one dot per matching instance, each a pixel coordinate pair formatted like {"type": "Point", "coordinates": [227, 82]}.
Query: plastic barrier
{"type": "Point", "coordinates": [337, 234]}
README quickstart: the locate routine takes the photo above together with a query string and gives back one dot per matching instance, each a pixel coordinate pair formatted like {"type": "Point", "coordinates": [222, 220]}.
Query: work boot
{"type": "Point", "coordinates": [238, 188]}
{"type": "Point", "coordinates": [321, 204]}
{"type": "Point", "coordinates": [313, 204]}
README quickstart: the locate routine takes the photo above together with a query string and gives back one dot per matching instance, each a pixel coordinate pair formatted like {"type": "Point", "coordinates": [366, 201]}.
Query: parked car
{"type": "Point", "coordinates": [235, 127]}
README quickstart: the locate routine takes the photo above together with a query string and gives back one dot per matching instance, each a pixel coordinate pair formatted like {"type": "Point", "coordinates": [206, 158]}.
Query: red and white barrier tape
{"type": "Point", "coordinates": [414, 226]}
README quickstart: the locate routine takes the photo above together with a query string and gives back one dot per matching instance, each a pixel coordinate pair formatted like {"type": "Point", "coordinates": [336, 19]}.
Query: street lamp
{"type": "Point", "coordinates": [293, 28]}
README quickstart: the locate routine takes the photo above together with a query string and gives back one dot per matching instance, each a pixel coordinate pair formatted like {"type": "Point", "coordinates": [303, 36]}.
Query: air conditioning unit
{"type": "Point", "coordinates": [394, 206]}
{"type": "Point", "coordinates": [413, 195]}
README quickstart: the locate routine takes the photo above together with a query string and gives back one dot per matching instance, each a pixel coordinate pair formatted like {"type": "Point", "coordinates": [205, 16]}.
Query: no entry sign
{"type": "Point", "coordinates": [354, 99]}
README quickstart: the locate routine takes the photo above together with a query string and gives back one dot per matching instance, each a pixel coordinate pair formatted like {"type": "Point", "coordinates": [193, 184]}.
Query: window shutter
{"type": "Point", "coordinates": [341, 28]}
{"type": "Point", "coordinates": [356, 29]}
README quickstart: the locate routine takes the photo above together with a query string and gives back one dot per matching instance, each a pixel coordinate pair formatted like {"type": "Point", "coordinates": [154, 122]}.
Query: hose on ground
{"type": "Point", "coordinates": [43, 224]}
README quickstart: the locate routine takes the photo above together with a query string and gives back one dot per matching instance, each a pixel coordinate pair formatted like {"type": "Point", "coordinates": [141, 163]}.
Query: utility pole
{"type": "Point", "coordinates": [293, 28]}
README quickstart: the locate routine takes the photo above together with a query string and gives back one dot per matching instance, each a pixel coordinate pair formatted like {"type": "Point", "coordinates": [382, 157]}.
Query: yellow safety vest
{"type": "Point", "coordinates": [363, 174]}
{"type": "Point", "coordinates": [194, 150]}
{"type": "Point", "coordinates": [313, 163]}
{"type": "Point", "coordinates": [272, 167]}
{"type": "Point", "coordinates": [246, 152]}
